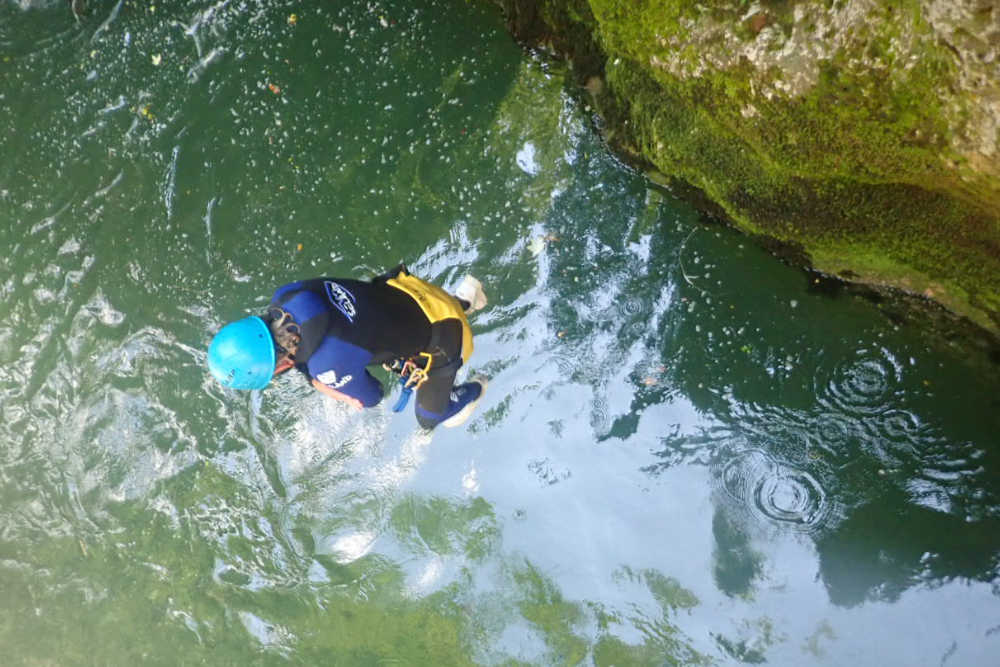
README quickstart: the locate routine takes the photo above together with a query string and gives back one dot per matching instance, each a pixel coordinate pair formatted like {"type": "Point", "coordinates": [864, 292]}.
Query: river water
{"type": "Point", "coordinates": [689, 453]}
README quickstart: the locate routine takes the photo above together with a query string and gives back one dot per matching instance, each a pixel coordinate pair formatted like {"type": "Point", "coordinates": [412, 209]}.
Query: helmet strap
{"type": "Point", "coordinates": [286, 333]}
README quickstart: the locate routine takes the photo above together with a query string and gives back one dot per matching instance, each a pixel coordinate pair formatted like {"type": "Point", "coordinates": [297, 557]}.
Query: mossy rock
{"type": "Point", "coordinates": [866, 136]}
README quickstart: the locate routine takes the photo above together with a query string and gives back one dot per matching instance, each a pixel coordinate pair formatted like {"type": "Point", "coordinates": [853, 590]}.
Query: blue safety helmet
{"type": "Point", "coordinates": [241, 355]}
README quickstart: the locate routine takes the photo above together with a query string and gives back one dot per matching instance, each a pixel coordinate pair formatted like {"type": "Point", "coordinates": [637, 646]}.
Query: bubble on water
{"type": "Point", "coordinates": [470, 481]}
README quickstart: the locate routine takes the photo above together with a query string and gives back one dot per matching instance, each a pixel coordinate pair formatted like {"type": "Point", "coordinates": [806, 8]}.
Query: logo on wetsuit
{"type": "Point", "coordinates": [341, 299]}
{"type": "Point", "coordinates": [329, 378]}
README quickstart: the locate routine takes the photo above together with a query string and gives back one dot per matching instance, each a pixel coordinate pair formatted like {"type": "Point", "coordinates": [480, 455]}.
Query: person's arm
{"type": "Point", "coordinates": [285, 289]}
{"type": "Point", "coordinates": [333, 393]}
{"type": "Point", "coordinates": [337, 369]}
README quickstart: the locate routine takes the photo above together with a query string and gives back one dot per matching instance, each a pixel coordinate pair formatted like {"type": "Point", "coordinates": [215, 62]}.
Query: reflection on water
{"type": "Point", "coordinates": [892, 544]}
{"type": "Point", "coordinates": [687, 455]}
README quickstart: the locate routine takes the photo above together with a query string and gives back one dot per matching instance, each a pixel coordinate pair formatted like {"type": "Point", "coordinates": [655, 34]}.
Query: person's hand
{"type": "Point", "coordinates": [395, 366]}
{"type": "Point", "coordinates": [333, 393]}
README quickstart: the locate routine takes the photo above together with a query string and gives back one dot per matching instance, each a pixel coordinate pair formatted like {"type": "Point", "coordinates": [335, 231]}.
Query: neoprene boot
{"type": "Point", "coordinates": [471, 292]}
{"type": "Point", "coordinates": [464, 399]}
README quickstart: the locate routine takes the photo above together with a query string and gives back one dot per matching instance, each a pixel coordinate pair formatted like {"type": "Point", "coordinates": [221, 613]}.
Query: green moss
{"type": "Point", "coordinates": [858, 170]}
{"type": "Point", "coordinates": [825, 179]}
{"type": "Point", "coordinates": [162, 574]}
{"type": "Point", "coordinates": [613, 652]}
{"type": "Point", "coordinates": [542, 604]}
{"type": "Point", "coordinates": [664, 643]}
{"type": "Point", "coordinates": [412, 634]}
{"type": "Point", "coordinates": [444, 526]}
{"type": "Point", "coordinates": [824, 632]}
{"type": "Point", "coordinates": [756, 637]}
{"type": "Point", "coordinates": [667, 591]}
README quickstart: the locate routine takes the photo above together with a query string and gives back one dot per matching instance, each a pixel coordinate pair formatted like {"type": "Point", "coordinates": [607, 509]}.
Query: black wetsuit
{"type": "Point", "coordinates": [347, 325]}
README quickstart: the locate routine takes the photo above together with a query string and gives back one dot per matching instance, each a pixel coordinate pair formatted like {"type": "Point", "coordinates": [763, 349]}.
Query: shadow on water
{"type": "Point", "coordinates": [820, 420]}
{"type": "Point", "coordinates": [915, 546]}
{"type": "Point", "coordinates": [735, 564]}
{"type": "Point", "coordinates": [875, 440]}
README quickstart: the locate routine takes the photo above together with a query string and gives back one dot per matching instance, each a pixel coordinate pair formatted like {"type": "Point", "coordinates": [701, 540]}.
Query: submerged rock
{"type": "Point", "coordinates": [866, 134]}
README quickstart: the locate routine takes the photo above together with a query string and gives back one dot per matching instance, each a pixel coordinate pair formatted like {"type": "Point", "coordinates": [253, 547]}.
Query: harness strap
{"type": "Point", "coordinates": [437, 305]}
{"type": "Point", "coordinates": [415, 374]}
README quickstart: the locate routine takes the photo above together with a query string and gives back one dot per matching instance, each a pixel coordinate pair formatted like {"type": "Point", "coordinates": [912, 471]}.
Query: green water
{"type": "Point", "coordinates": [688, 454]}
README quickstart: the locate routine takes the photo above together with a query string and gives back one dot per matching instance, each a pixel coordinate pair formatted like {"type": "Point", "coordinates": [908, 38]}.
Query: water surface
{"type": "Point", "coordinates": [688, 453]}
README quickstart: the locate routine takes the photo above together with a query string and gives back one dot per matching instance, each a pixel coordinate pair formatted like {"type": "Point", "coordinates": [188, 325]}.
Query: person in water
{"type": "Point", "coordinates": [332, 329]}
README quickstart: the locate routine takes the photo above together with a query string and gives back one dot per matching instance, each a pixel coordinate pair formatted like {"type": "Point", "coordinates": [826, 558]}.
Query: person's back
{"type": "Point", "coordinates": [331, 329]}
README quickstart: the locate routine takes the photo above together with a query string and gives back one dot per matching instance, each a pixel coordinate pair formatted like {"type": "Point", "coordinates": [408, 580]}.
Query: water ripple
{"type": "Point", "coordinates": [799, 435]}
{"type": "Point", "coordinates": [832, 432]}
{"type": "Point", "coordinates": [860, 386]}
{"type": "Point", "coordinates": [901, 432]}
{"type": "Point", "coordinates": [566, 363]}
{"type": "Point", "coordinates": [600, 416]}
{"type": "Point", "coordinates": [631, 305]}
{"type": "Point", "coordinates": [776, 491]}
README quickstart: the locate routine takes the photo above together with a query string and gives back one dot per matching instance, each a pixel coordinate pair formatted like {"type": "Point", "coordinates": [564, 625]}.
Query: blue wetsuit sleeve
{"type": "Point", "coordinates": [341, 366]}
{"type": "Point", "coordinates": [284, 289]}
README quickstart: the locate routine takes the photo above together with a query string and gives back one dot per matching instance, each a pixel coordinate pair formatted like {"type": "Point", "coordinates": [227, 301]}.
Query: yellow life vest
{"type": "Point", "coordinates": [437, 305]}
